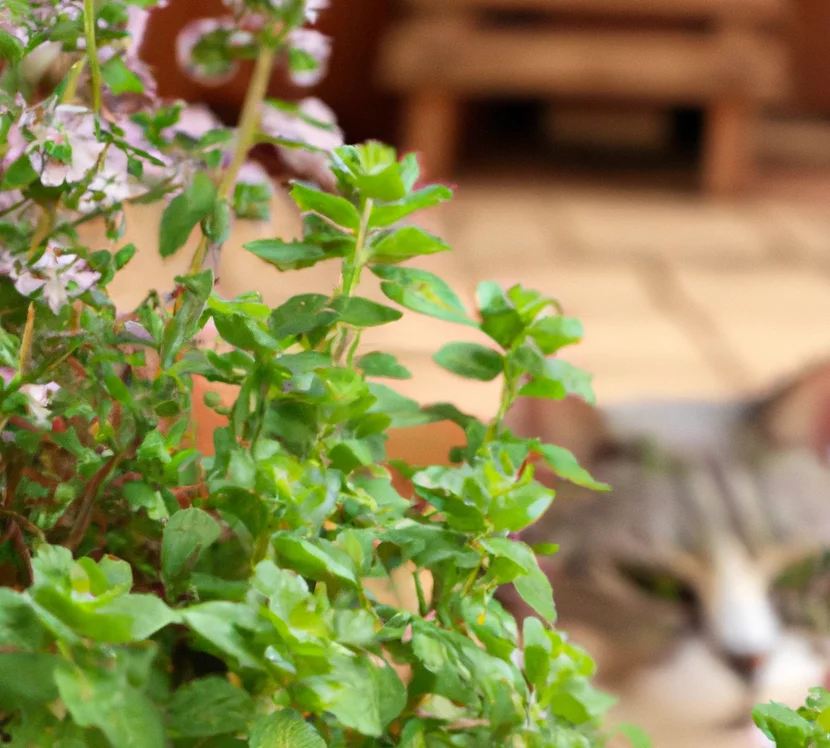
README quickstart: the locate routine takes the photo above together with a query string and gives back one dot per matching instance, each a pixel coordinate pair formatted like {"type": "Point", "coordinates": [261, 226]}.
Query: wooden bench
{"type": "Point", "coordinates": [727, 56]}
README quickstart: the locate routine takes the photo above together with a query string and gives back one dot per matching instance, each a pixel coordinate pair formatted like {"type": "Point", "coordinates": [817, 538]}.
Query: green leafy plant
{"type": "Point", "coordinates": [805, 727]}
{"type": "Point", "coordinates": [156, 596]}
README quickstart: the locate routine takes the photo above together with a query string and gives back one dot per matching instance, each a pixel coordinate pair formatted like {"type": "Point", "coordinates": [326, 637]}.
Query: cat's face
{"type": "Point", "coordinates": [687, 581]}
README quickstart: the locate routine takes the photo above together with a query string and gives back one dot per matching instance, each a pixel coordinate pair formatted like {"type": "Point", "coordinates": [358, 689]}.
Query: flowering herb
{"type": "Point", "coordinates": [153, 596]}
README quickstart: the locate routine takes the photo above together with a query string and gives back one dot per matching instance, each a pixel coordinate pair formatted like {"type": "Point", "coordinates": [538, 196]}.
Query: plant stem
{"type": "Point", "coordinates": [248, 124]}
{"type": "Point", "coordinates": [353, 267]}
{"type": "Point", "coordinates": [92, 54]}
{"type": "Point", "coordinates": [508, 395]}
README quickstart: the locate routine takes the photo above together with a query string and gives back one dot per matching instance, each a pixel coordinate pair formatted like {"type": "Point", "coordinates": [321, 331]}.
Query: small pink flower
{"type": "Point", "coordinates": [40, 394]}
{"type": "Point", "coordinates": [195, 120]}
{"type": "Point", "coordinates": [137, 19]}
{"type": "Point", "coordinates": [252, 172]}
{"type": "Point", "coordinates": [289, 126]}
{"type": "Point", "coordinates": [313, 8]}
{"type": "Point", "coordinates": [138, 331]}
{"type": "Point", "coordinates": [57, 276]}
{"type": "Point", "coordinates": [314, 48]}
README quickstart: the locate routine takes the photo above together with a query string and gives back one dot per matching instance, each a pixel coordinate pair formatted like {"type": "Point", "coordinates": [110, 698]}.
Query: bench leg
{"type": "Point", "coordinates": [730, 147]}
{"type": "Point", "coordinates": [431, 125]}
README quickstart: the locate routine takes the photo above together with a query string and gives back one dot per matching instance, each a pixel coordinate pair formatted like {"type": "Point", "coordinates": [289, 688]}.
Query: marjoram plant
{"type": "Point", "coordinates": [154, 596]}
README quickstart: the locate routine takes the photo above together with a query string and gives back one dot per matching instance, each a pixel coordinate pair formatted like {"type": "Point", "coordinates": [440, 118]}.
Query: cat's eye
{"type": "Point", "coordinates": [659, 583]}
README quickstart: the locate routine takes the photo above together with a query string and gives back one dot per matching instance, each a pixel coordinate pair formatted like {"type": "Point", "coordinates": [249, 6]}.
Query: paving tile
{"type": "Point", "coordinates": [685, 229]}
{"type": "Point", "coordinates": [803, 230]}
{"type": "Point", "coordinates": [775, 320]}
{"type": "Point", "coordinates": [492, 227]}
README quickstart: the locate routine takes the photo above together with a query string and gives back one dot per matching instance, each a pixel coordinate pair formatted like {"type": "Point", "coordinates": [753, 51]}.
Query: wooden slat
{"type": "Point", "coordinates": [658, 65]}
{"type": "Point", "coordinates": [754, 11]}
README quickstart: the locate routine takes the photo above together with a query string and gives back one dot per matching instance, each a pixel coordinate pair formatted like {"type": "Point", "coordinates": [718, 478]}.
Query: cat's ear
{"type": "Point", "coordinates": [798, 413]}
{"type": "Point", "coordinates": [571, 423]}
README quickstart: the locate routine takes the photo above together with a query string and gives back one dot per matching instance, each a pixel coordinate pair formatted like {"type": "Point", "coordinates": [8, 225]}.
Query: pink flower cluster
{"type": "Point", "coordinates": [309, 50]}
{"type": "Point", "coordinates": [57, 275]}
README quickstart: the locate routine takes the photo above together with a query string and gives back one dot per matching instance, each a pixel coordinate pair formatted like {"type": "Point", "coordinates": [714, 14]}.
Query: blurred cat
{"type": "Point", "coordinates": [692, 582]}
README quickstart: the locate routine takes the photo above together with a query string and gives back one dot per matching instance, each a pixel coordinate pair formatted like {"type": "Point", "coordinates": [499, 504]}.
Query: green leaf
{"type": "Point", "coordinates": [244, 332]}
{"type": "Point", "coordinates": [538, 648]}
{"type": "Point", "coordinates": [351, 693]}
{"type": "Point", "coordinates": [519, 554]}
{"type": "Point", "coordinates": [354, 310]}
{"type": "Point", "coordinates": [184, 212]}
{"type": "Point", "coordinates": [27, 679]}
{"type": "Point", "coordinates": [470, 360]}
{"type": "Point", "coordinates": [391, 692]}
{"type": "Point", "coordinates": [141, 495]}
{"type": "Point", "coordinates": [10, 48]}
{"type": "Point", "coordinates": [422, 292]}
{"type": "Point", "coordinates": [382, 184]}
{"type": "Point", "coordinates": [124, 714]}
{"type": "Point", "coordinates": [404, 411]}
{"type": "Point", "coordinates": [404, 244]}
{"type": "Point", "coordinates": [500, 319]}
{"type": "Point", "coordinates": [227, 626]}
{"type": "Point", "coordinates": [19, 174]}
{"type": "Point", "coordinates": [285, 255]}
{"type": "Point", "coordinates": [187, 534]}
{"type": "Point", "coordinates": [565, 465]}
{"type": "Point", "coordinates": [579, 702]}
{"type": "Point", "coordinates": [124, 255]}
{"type": "Point", "coordinates": [142, 614]}
{"type": "Point", "coordinates": [185, 323]}
{"type": "Point", "coordinates": [209, 706]}
{"type": "Point", "coordinates": [783, 725]}
{"type": "Point", "coordinates": [217, 224]}
{"type": "Point", "coordinates": [301, 314]}
{"type": "Point", "coordinates": [391, 212]}
{"type": "Point", "coordinates": [534, 588]}
{"type": "Point", "coordinates": [317, 559]}
{"type": "Point", "coordinates": [559, 380]}
{"type": "Point", "coordinates": [119, 78]}
{"type": "Point", "coordinates": [117, 389]}
{"type": "Point", "coordinates": [19, 625]}
{"type": "Point", "coordinates": [252, 201]}
{"type": "Point", "coordinates": [553, 333]}
{"type": "Point", "coordinates": [337, 209]}
{"type": "Point", "coordinates": [636, 736]}
{"type": "Point", "coordinates": [284, 729]}
{"type": "Point", "coordinates": [378, 364]}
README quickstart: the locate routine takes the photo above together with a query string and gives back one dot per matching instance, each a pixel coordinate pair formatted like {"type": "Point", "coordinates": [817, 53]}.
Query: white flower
{"type": "Point", "coordinates": [313, 8]}
{"type": "Point", "coordinates": [195, 120]}
{"type": "Point", "coordinates": [137, 19]}
{"type": "Point", "coordinates": [289, 126]}
{"type": "Point", "coordinates": [71, 126]}
{"type": "Point", "coordinates": [39, 395]}
{"type": "Point", "coordinates": [10, 26]}
{"type": "Point", "coordinates": [138, 331]}
{"type": "Point", "coordinates": [284, 124]}
{"type": "Point", "coordinates": [315, 46]}
{"type": "Point", "coordinates": [252, 172]}
{"type": "Point", "coordinates": [57, 276]}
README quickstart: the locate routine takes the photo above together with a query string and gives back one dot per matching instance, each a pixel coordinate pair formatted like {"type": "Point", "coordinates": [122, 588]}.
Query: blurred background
{"type": "Point", "coordinates": [660, 166]}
